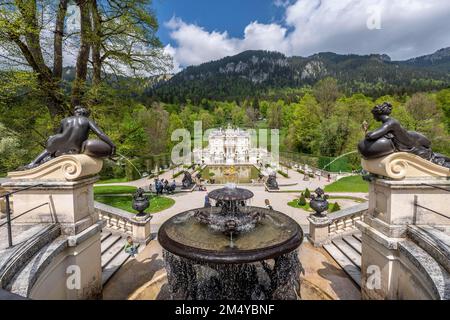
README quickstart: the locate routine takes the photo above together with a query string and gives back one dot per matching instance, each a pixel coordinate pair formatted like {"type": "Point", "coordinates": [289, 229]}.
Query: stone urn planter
{"type": "Point", "coordinates": [140, 203]}
{"type": "Point", "coordinates": [319, 203]}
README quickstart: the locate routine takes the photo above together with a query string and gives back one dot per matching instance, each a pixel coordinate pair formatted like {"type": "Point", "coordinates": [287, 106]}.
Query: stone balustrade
{"type": "Point", "coordinates": [125, 222]}
{"type": "Point", "coordinates": [339, 223]}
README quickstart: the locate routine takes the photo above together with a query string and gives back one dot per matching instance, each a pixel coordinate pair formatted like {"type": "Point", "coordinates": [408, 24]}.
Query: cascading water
{"type": "Point", "coordinates": [232, 251]}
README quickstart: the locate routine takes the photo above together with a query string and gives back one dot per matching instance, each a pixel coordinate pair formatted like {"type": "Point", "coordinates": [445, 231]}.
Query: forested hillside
{"type": "Point", "coordinates": [254, 73]}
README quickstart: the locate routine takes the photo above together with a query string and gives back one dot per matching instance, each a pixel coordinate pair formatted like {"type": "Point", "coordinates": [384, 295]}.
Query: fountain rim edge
{"type": "Point", "coordinates": [227, 257]}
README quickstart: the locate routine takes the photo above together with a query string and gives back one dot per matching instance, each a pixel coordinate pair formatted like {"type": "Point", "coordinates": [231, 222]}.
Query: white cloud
{"type": "Point", "coordinates": [195, 45]}
{"type": "Point", "coordinates": [171, 51]}
{"type": "Point", "coordinates": [408, 28]}
{"type": "Point", "coordinates": [281, 3]}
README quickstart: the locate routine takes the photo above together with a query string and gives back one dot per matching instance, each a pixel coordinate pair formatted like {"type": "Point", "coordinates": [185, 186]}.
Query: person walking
{"type": "Point", "coordinates": [159, 187]}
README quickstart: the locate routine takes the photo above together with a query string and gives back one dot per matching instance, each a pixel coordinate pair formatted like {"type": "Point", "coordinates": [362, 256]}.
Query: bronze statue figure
{"type": "Point", "coordinates": [271, 182]}
{"type": "Point", "coordinates": [187, 181]}
{"type": "Point", "coordinates": [72, 138]}
{"type": "Point", "coordinates": [392, 137]}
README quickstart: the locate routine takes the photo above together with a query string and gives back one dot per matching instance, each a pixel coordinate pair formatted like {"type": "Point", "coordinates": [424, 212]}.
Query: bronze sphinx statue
{"type": "Point", "coordinates": [72, 137]}
{"type": "Point", "coordinates": [392, 137]}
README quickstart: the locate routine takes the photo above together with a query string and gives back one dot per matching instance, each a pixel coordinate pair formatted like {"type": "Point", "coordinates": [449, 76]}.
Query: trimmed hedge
{"type": "Point", "coordinates": [284, 174]}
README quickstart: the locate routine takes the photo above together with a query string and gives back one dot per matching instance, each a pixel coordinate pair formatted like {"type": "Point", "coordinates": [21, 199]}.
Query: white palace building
{"type": "Point", "coordinates": [231, 146]}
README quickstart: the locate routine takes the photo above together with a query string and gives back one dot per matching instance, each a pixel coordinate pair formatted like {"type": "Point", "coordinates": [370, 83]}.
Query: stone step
{"type": "Point", "coordinates": [20, 234]}
{"type": "Point", "coordinates": [114, 265]}
{"type": "Point", "coordinates": [109, 242]}
{"type": "Point", "coordinates": [112, 251]}
{"type": "Point", "coordinates": [436, 274]}
{"type": "Point", "coordinates": [358, 236]}
{"type": "Point", "coordinates": [349, 252]}
{"type": "Point", "coordinates": [434, 241]}
{"type": "Point", "coordinates": [104, 235]}
{"type": "Point", "coordinates": [347, 265]}
{"type": "Point", "coordinates": [354, 243]}
{"type": "Point", "coordinates": [14, 259]}
{"type": "Point", "coordinates": [27, 277]}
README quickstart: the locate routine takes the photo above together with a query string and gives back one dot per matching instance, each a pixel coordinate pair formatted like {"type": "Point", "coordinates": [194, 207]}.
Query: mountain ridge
{"type": "Point", "coordinates": [256, 71]}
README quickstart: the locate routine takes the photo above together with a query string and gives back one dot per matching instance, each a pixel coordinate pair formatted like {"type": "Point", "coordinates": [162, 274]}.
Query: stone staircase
{"type": "Point", "coordinates": [113, 255]}
{"type": "Point", "coordinates": [35, 248]}
{"type": "Point", "coordinates": [346, 251]}
{"type": "Point", "coordinates": [32, 251]}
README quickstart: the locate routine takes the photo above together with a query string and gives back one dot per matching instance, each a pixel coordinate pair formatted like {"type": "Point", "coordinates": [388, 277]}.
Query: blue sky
{"type": "Point", "coordinates": [222, 15]}
{"type": "Point", "coordinates": [197, 31]}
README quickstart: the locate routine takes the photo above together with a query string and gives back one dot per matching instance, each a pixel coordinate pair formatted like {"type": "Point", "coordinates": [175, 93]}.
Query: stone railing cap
{"type": "Point", "coordinates": [348, 211]}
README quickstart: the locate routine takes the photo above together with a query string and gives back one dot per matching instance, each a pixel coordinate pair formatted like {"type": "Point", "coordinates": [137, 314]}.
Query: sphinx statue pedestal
{"type": "Point", "coordinates": [400, 165]}
{"type": "Point", "coordinates": [407, 193]}
{"type": "Point", "coordinates": [61, 193]}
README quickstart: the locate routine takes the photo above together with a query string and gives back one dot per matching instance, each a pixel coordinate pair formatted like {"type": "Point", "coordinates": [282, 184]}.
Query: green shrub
{"type": "Point", "coordinates": [335, 207]}
{"type": "Point", "coordinates": [302, 200]}
{"type": "Point", "coordinates": [307, 193]}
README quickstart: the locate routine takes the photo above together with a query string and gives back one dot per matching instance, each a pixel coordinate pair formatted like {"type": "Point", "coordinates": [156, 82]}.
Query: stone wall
{"type": "Point", "coordinates": [59, 281]}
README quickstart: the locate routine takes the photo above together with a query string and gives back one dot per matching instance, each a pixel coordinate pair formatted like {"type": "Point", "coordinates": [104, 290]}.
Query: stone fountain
{"type": "Point", "coordinates": [232, 251]}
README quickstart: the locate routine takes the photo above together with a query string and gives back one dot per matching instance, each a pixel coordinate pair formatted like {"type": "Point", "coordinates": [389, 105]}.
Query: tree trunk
{"type": "Point", "coordinates": [58, 40]}
{"type": "Point", "coordinates": [32, 52]}
{"type": "Point", "coordinates": [83, 54]}
{"type": "Point", "coordinates": [96, 45]}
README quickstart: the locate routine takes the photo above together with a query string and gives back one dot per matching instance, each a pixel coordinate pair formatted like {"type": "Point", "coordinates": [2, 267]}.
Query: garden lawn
{"type": "Point", "coordinates": [294, 204]}
{"type": "Point", "coordinates": [157, 204]}
{"type": "Point", "coordinates": [114, 190]}
{"type": "Point", "coordinates": [348, 184]}
{"type": "Point", "coordinates": [113, 180]}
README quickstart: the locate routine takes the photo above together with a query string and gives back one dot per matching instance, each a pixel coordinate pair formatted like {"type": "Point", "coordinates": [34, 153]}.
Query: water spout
{"type": "Point", "coordinates": [341, 156]}
{"type": "Point", "coordinates": [131, 163]}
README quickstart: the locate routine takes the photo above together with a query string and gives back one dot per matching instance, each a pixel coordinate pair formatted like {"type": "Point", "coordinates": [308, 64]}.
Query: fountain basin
{"type": "Point", "coordinates": [274, 236]}
{"type": "Point", "coordinates": [231, 251]}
